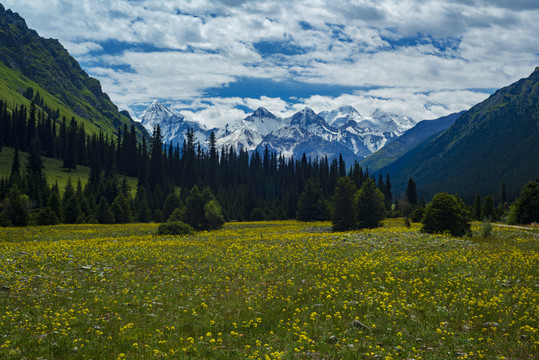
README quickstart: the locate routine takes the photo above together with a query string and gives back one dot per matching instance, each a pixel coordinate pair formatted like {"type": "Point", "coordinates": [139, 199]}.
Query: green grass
{"type": "Point", "coordinates": [12, 84]}
{"type": "Point", "coordinates": [53, 170]}
{"type": "Point", "coordinates": [268, 290]}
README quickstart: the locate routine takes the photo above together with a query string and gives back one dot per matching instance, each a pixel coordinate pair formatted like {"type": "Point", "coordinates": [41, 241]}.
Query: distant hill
{"type": "Point", "coordinates": [495, 140]}
{"type": "Point", "coordinates": [424, 130]}
{"type": "Point", "coordinates": [30, 61]}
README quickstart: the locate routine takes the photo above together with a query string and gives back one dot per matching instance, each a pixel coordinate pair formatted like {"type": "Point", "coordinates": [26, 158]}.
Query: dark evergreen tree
{"type": "Point", "coordinates": [172, 202]}
{"type": "Point", "coordinates": [311, 204]}
{"type": "Point", "coordinates": [194, 209]}
{"type": "Point", "coordinates": [143, 213]}
{"type": "Point", "coordinates": [503, 194]}
{"type": "Point", "coordinates": [103, 213]}
{"type": "Point", "coordinates": [488, 207]}
{"type": "Point", "coordinates": [121, 210]}
{"type": "Point", "coordinates": [411, 192]}
{"type": "Point", "coordinates": [70, 155]}
{"type": "Point", "coordinates": [31, 125]}
{"type": "Point", "coordinates": [157, 165]}
{"type": "Point", "coordinates": [525, 210]}
{"type": "Point", "coordinates": [369, 204]}
{"type": "Point", "coordinates": [54, 201]}
{"type": "Point", "coordinates": [476, 208]}
{"type": "Point", "coordinates": [15, 174]}
{"type": "Point", "coordinates": [344, 212]}
{"type": "Point", "coordinates": [70, 204]}
{"type": "Point", "coordinates": [387, 193]}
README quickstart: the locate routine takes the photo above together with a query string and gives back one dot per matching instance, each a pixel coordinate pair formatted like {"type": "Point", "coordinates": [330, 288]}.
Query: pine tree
{"type": "Point", "coordinates": [476, 208]}
{"type": "Point", "coordinates": [70, 155]}
{"type": "Point", "coordinates": [411, 192]}
{"type": "Point", "coordinates": [503, 194]}
{"type": "Point", "coordinates": [143, 212]}
{"type": "Point", "coordinates": [157, 170]}
{"type": "Point", "coordinates": [369, 204]}
{"type": "Point", "coordinates": [387, 193]}
{"type": "Point", "coordinates": [488, 207]}
{"type": "Point", "coordinates": [103, 213]}
{"type": "Point", "coordinates": [311, 204]}
{"type": "Point", "coordinates": [121, 210]}
{"type": "Point", "coordinates": [194, 209]}
{"type": "Point", "coordinates": [15, 174]}
{"type": "Point", "coordinates": [344, 212]}
{"type": "Point", "coordinates": [172, 202]}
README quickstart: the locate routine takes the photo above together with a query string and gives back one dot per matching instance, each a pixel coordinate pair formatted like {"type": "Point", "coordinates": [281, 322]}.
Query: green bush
{"type": "Point", "coordinates": [486, 228]}
{"type": "Point", "coordinates": [175, 228]}
{"type": "Point", "coordinates": [417, 214]}
{"type": "Point", "coordinates": [446, 213]}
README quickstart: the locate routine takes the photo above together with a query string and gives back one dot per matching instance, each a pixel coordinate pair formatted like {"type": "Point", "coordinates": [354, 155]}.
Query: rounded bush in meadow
{"type": "Point", "coordinates": [446, 213]}
{"type": "Point", "coordinates": [175, 228]}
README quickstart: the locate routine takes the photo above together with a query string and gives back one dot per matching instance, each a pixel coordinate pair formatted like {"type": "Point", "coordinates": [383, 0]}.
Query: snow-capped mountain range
{"type": "Point", "coordinates": [342, 131]}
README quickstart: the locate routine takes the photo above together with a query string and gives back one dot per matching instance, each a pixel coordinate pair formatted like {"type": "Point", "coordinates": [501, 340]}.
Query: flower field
{"type": "Point", "coordinates": [274, 290]}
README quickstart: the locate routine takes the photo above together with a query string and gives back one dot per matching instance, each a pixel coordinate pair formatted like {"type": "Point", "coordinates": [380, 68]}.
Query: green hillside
{"type": "Point", "coordinates": [496, 140]}
{"type": "Point", "coordinates": [393, 151]}
{"type": "Point", "coordinates": [28, 60]}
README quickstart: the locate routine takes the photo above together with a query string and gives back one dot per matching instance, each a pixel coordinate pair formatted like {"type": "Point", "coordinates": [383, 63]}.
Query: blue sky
{"type": "Point", "coordinates": [216, 61]}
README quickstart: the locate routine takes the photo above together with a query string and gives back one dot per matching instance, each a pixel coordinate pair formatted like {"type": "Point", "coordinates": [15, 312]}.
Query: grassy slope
{"type": "Point", "coordinates": [53, 170]}
{"type": "Point", "coordinates": [13, 83]}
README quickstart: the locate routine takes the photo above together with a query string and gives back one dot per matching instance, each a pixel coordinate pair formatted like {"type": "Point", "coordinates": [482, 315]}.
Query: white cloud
{"type": "Point", "coordinates": [422, 57]}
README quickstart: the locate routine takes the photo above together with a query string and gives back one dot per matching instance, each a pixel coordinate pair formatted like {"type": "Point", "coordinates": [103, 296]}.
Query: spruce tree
{"type": "Point", "coordinates": [121, 210]}
{"type": "Point", "coordinates": [311, 204]}
{"type": "Point", "coordinates": [411, 192]}
{"type": "Point", "coordinates": [172, 202]}
{"type": "Point", "coordinates": [488, 207]}
{"type": "Point", "coordinates": [103, 213]}
{"type": "Point", "coordinates": [476, 208]}
{"type": "Point", "coordinates": [194, 209]}
{"type": "Point", "coordinates": [344, 212]}
{"type": "Point", "coordinates": [143, 213]}
{"type": "Point", "coordinates": [70, 155]}
{"type": "Point", "coordinates": [157, 171]}
{"type": "Point", "coordinates": [369, 204]}
{"type": "Point", "coordinates": [446, 213]}
{"type": "Point", "coordinates": [15, 174]}
{"type": "Point", "coordinates": [503, 194]}
{"type": "Point", "coordinates": [213, 214]}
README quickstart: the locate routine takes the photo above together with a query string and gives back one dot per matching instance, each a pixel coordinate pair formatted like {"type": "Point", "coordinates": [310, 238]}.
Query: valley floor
{"type": "Point", "coordinates": [271, 290]}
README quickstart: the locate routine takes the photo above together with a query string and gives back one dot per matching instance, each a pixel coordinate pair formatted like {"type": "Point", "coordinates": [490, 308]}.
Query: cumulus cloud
{"type": "Point", "coordinates": [419, 58]}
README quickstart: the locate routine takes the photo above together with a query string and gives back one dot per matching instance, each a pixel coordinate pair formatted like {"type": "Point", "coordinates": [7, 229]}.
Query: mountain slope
{"type": "Point", "coordinates": [495, 140]}
{"type": "Point", "coordinates": [46, 63]}
{"type": "Point", "coordinates": [408, 141]}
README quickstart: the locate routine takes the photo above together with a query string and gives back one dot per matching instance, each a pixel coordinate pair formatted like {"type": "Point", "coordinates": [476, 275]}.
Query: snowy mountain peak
{"type": "Point", "coordinates": [341, 116]}
{"type": "Point", "coordinates": [262, 113]}
{"type": "Point", "coordinates": [305, 118]}
{"type": "Point", "coordinates": [157, 113]}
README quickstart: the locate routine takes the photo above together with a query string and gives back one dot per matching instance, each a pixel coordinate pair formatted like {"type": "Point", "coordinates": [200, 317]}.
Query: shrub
{"type": "Point", "coordinates": [446, 213]}
{"type": "Point", "coordinates": [214, 215]}
{"type": "Point", "coordinates": [176, 215]}
{"type": "Point", "coordinates": [417, 214]}
{"type": "Point", "coordinates": [486, 228]}
{"type": "Point", "coordinates": [175, 228]}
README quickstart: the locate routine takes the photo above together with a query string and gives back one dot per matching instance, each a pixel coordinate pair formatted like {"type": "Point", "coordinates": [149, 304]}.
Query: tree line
{"type": "Point", "coordinates": [245, 186]}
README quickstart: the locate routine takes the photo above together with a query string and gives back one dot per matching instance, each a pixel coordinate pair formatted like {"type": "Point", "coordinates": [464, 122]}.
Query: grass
{"type": "Point", "coordinates": [274, 290]}
{"type": "Point", "coordinates": [53, 170]}
{"type": "Point", "coordinates": [13, 83]}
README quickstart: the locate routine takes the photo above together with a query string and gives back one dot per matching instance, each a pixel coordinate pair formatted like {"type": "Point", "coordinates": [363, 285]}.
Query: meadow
{"type": "Point", "coordinates": [271, 290]}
